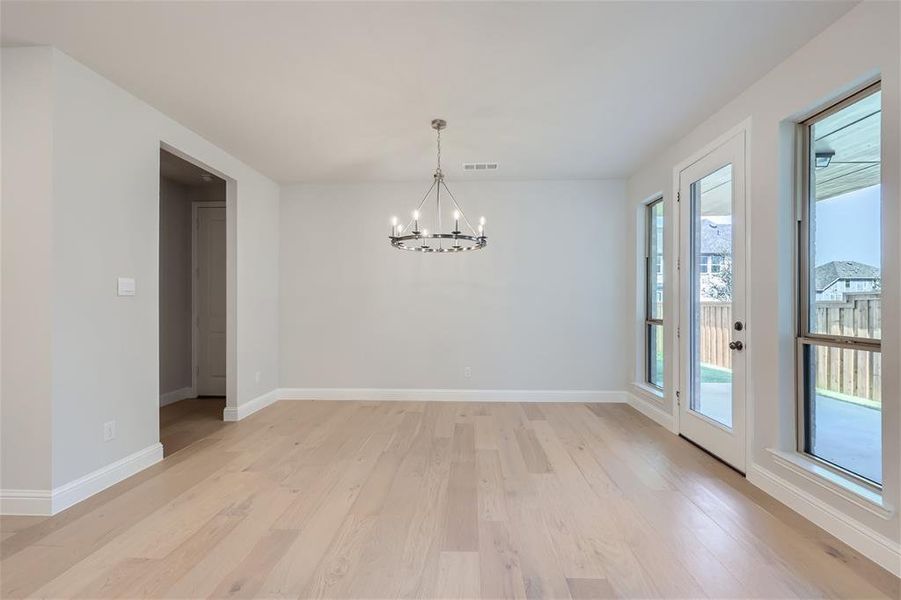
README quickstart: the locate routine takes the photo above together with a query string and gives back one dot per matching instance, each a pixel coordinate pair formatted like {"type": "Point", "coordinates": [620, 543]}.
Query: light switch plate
{"type": "Point", "coordinates": [109, 431]}
{"type": "Point", "coordinates": [126, 286]}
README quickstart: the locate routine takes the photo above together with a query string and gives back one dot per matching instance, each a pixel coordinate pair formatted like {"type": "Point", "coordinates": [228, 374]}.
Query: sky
{"type": "Point", "coordinates": [848, 228]}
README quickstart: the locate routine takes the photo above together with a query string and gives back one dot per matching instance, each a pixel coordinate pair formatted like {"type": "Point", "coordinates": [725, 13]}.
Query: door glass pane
{"type": "Point", "coordinates": [844, 408]}
{"type": "Point", "coordinates": [655, 260]}
{"type": "Point", "coordinates": [711, 289]}
{"type": "Point", "coordinates": [655, 355]}
{"type": "Point", "coordinates": [845, 266]}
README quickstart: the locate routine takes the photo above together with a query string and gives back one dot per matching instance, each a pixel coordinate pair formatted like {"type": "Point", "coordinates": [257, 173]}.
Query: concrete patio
{"type": "Point", "coordinates": [846, 433]}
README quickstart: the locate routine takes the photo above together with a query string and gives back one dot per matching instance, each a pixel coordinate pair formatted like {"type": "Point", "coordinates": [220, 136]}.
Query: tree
{"type": "Point", "coordinates": [719, 285]}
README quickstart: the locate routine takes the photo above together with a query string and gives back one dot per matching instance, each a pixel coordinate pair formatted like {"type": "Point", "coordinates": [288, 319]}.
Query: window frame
{"type": "Point", "coordinates": [805, 338]}
{"type": "Point", "coordinates": [650, 276]}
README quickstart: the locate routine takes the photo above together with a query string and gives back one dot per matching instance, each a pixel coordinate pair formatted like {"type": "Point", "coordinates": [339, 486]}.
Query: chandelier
{"type": "Point", "coordinates": [419, 238]}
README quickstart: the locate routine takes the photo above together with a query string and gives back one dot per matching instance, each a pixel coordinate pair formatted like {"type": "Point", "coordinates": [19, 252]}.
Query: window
{"type": "Point", "coordinates": [840, 331]}
{"type": "Point", "coordinates": [654, 293]}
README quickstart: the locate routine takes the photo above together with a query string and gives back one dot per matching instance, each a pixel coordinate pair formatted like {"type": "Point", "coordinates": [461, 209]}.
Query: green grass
{"type": "Point", "coordinates": [874, 404]}
{"type": "Point", "coordinates": [711, 374]}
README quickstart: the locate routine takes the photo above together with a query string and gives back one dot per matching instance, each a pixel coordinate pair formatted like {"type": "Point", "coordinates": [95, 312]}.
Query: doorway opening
{"type": "Point", "coordinates": [192, 302]}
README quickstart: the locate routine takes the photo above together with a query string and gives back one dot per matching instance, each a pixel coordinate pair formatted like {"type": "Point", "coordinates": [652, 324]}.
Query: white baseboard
{"type": "Point", "coordinates": [653, 411]}
{"type": "Point", "coordinates": [870, 543]}
{"type": "Point", "coordinates": [177, 395]}
{"type": "Point", "coordinates": [451, 395]}
{"type": "Point", "coordinates": [46, 502]}
{"type": "Point", "coordinates": [26, 502]}
{"type": "Point", "coordinates": [97, 481]}
{"type": "Point", "coordinates": [236, 413]}
{"type": "Point", "coordinates": [420, 395]}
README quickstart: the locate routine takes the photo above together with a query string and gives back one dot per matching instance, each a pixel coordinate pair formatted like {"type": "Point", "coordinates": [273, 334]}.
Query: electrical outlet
{"type": "Point", "coordinates": [257, 376]}
{"type": "Point", "coordinates": [109, 431]}
{"type": "Point", "coordinates": [467, 372]}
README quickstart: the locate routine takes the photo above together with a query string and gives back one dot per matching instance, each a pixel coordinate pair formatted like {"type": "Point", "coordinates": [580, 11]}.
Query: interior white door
{"type": "Point", "coordinates": [210, 299]}
{"type": "Point", "coordinates": [712, 324]}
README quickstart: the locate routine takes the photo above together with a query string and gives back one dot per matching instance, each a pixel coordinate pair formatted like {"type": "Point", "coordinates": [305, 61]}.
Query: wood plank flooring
{"type": "Point", "coordinates": [185, 422]}
{"type": "Point", "coordinates": [430, 500]}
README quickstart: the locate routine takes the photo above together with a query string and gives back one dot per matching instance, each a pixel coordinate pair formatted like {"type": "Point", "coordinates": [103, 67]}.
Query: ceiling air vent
{"type": "Point", "coordinates": [480, 166]}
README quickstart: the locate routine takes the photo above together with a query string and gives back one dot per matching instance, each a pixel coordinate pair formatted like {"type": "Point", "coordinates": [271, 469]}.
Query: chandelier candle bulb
{"type": "Point", "coordinates": [393, 226]}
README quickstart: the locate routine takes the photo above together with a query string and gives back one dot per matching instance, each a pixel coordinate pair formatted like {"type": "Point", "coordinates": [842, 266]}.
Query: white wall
{"type": "Point", "coordinates": [530, 311]}
{"type": "Point", "coordinates": [104, 210]}
{"type": "Point", "coordinates": [176, 361]}
{"type": "Point", "coordinates": [858, 47]}
{"type": "Point", "coordinates": [26, 187]}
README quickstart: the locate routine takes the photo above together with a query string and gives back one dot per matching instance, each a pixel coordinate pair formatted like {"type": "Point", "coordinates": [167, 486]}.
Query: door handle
{"type": "Point", "coordinates": [736, 345]}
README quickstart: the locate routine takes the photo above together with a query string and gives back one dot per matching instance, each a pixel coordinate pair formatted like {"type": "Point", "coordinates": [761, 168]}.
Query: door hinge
{"type": "Point", "coordinates": [678, 333]}
{"type": "Point", "coordinates": [678, 399]}
{"type": "Point", "coordinates": [678, 196]}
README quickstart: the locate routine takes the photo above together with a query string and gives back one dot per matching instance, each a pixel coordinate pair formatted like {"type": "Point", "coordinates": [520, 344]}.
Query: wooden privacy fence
{"type": "Point", "coordinates": [851, 372]}
{"type": "Point", "coordinates": [716, 333]}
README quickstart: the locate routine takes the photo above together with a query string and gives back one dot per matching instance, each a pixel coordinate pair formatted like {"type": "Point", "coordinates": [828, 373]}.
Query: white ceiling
{"type": "Point", "coordinates": [345, 92]}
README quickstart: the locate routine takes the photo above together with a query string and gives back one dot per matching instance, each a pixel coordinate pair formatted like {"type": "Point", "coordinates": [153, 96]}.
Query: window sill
{"type": "Point", "coordinates": [648, 392]}
{"type": "Point", "coordinates": [848, 489]}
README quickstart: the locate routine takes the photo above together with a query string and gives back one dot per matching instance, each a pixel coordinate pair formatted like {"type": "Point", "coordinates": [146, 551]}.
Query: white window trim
{"type": "Point", "coordinates": [799, 459]}
{"type": "Point", "coordinates": [840, 485]}
{"type": "Point", "coordinates": [643, 373]}
{"type": "Point", "coordinates": [648, 392]}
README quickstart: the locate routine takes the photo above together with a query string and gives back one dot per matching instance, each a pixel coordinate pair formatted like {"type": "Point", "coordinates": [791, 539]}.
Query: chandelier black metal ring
{"type": "Point", "coordinates": [421, 239]}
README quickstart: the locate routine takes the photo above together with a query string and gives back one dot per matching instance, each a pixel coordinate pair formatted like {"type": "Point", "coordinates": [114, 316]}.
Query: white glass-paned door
{"type": "Point", "coordinates": [713, 330]}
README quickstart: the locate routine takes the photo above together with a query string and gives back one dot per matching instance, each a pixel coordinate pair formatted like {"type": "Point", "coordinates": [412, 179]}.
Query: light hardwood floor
{"type": "Point", "coordinates": [185, 422]}
{"type": "Point", "coordinates": [411, 500]}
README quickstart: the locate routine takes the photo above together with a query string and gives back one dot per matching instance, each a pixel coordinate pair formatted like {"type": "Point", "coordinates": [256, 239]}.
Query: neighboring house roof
{"type": "Point", "coordinates": [831, 272]}
{"type": "Point", "coordinates": [716, 238]}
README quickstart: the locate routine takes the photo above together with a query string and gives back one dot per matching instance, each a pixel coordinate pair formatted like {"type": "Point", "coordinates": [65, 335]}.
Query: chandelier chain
{"type": "Point", "coordinates": [439, 153]}
{"type": "Point", "coordinates": [440, 178]}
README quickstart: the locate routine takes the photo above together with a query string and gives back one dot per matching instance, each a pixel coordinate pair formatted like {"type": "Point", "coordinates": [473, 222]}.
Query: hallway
{"type": "Point", "coordinates": [187, 421]}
